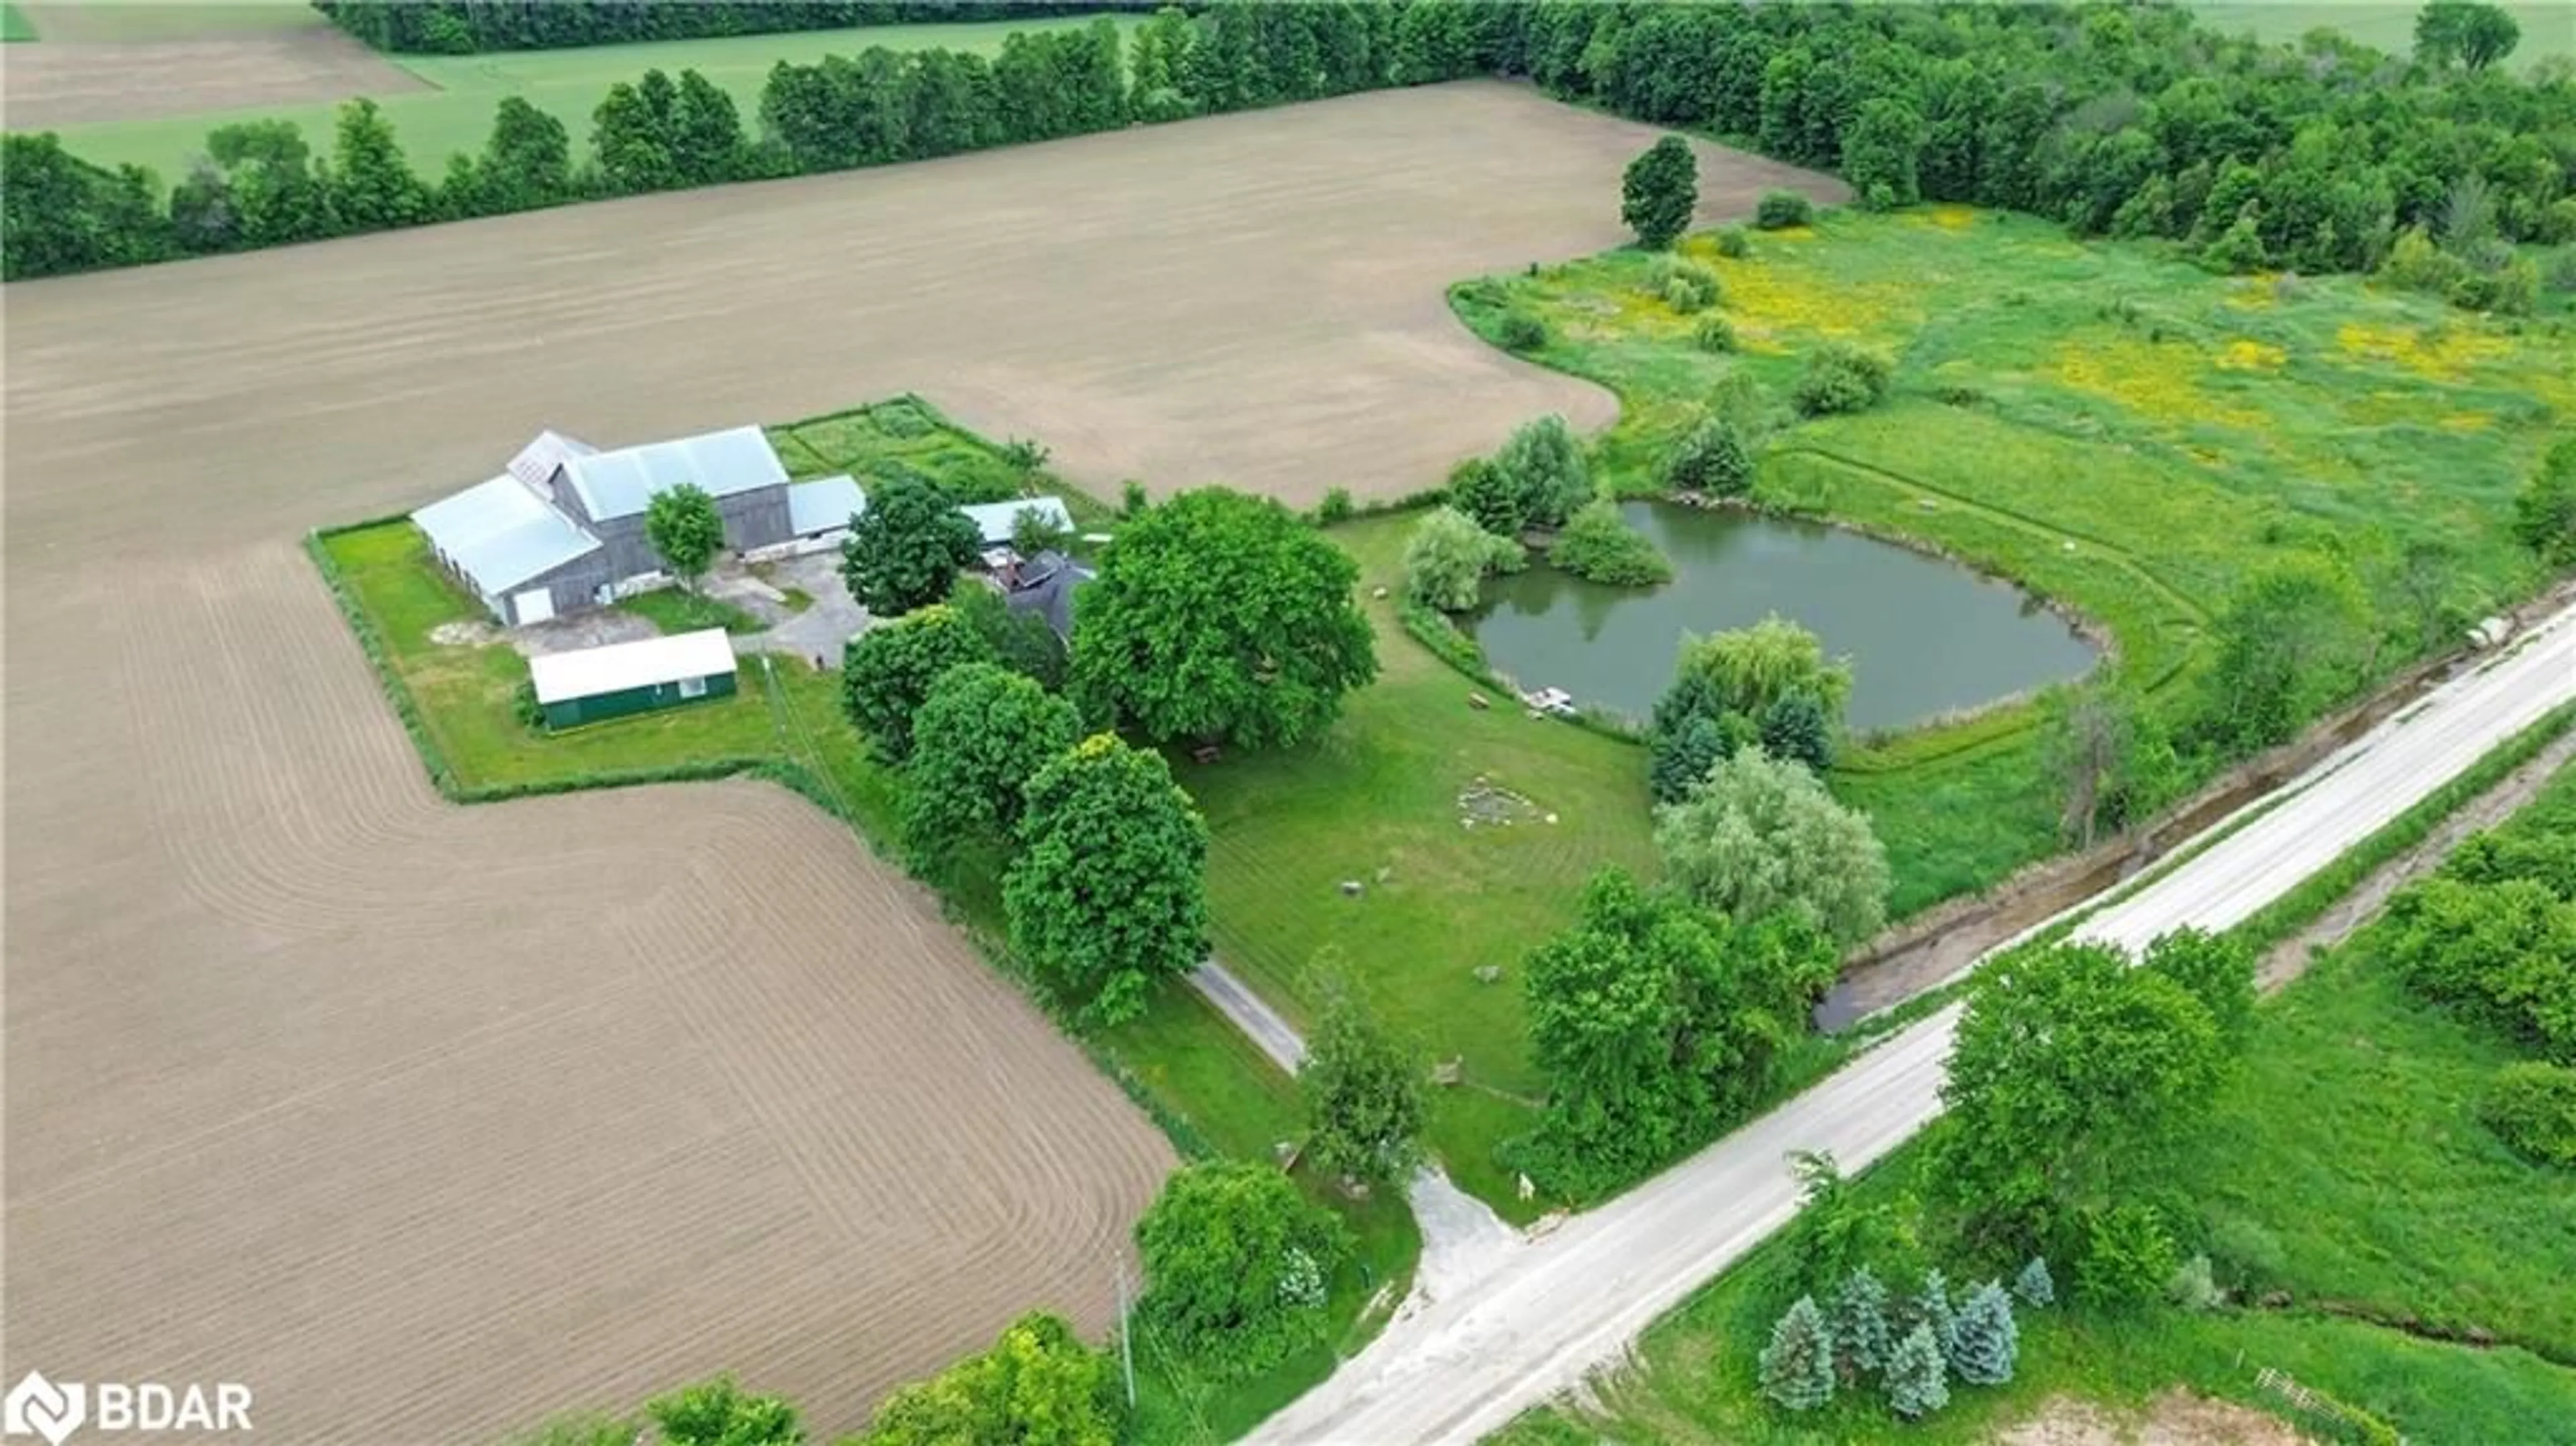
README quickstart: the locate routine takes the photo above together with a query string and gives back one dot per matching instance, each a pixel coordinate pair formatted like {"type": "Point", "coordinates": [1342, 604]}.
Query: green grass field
{"type": "Point", "coordinates": [457, 116]}
{"type": "Point", "coordinates": [2109, 428]}
{"type": "Point", "coordinates": [2548, 26]}
{"type": "Point", "coordinates": [2347, 1151]}
{"type": "Point", "coordinates": [14, 25]}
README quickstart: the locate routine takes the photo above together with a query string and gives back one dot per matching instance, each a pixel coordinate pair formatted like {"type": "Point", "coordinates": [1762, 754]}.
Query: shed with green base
{"type": "Point", "coordinates": [593, 685]}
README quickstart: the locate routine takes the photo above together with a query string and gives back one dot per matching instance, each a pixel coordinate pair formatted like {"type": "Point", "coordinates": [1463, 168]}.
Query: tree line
{"type": "Point", "coordinates": [468, 27]}
{"type": "Point", "coordinates": [2132, 121]}
{"type": "Point", "coordinates": [260, 183]}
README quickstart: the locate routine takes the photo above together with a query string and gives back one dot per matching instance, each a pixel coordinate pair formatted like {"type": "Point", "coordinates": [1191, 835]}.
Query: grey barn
{"type": "Point", "coordinates": [564, 525]}
{"type": "Point", "coordinates": [608, 492]}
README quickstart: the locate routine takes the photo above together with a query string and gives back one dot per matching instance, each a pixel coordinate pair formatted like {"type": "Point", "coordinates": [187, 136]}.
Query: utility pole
{"type": "Point", "coordinates": [1126, 1336]}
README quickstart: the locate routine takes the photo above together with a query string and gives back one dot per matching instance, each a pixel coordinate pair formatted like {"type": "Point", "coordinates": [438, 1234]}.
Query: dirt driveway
{"type": "Point", "coordinates": [429, 1120]}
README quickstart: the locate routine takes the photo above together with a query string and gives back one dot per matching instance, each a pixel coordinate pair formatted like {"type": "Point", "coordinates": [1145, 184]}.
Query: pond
{"type": "Point", "coordinates": [1924, 636]}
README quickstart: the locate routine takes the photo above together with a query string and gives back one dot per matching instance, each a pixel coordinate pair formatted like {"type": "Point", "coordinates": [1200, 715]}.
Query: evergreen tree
{"type": "Point", "coordinates": [1986, 1344]}
{"type": "Point", "coordinates": [1677, 760]}
{"type": "Point", "coordinates": [1860, 1324]}
{"type": "Point", "coordinates": [2034, 1286]}
{"type": "Point", "coordinates": [1659, 192]}
{"type": "Point", "coordinates": [1931, 1310]}
{"type": "Point", "coordinates": [1794, 727]}
{"type": "Point", "coordinates": [1798, 1365]}
{"type": "Point", "coordinates": [1916, 1384]}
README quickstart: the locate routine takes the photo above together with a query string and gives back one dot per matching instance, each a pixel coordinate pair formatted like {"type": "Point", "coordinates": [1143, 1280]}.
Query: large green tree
{"type": "Point", "coordinates": [1219, 617]}
{"type": "Point", "coordinates": [527, 163]}
{"type": "Point", "coordinates": [1543, 465]}
{"type": "Point", "coordinates": [1108, 896]}
{"type": "Point", "coordinates": [1362, 1087]}
{"type": "Point", "coordinates": [1760, 836]}
{"type": "Point", "coordinates": [1238, 1265]}
{"type": "Point", "coordinates": [2465, 32]}
{"type": "Point", "coordinates": [1039, 1385]}
{"type": "Point", "coordinates": [1655, 1021]}
{"type": "Point", "coordinates": [2073, 1076]}
{"type": "Point", "coordinates": [685, 529]}
{"type": "Point", "coordinates": [1882, 153]}
{"type": "Point", "coordinates": [1659, 192]}
{"type": "Point", "coordinates": [705, 132]}
{"type": "Point", "coordinates": [2290, 640]}
{"type": "Point", "coordinates": [372, 186]}
{"type": "Point", "coordinates": [888, 671]}
{"type": "Point", "coordinates": [905, 548]}
{"type": "Point", "coordinates": [981, 734]}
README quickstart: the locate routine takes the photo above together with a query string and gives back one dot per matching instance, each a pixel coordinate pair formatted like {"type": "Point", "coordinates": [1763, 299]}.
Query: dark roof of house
{"type": "Point", "coordinates": [1045, 585]}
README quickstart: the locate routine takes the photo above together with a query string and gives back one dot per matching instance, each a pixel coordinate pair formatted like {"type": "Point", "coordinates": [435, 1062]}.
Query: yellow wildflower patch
{"type": "Point", "coordinates": [1767, 299]}
{"type": "Point", "coordinates": [2157, 380]}
{"type": "Point", "coordinates": [2247, 355]}
{"type": "Point", "coordinates": [1949, 218]}
{"type": "Point", "coordinates": [2445, 354]}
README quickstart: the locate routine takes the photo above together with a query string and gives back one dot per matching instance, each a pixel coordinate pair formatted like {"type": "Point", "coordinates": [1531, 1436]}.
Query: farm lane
{"type": "Point", "coordinates": [1461, 1235]}
{"type": "Point", "coordinates": [1550, 1311]}
{"type": "Point", "coordinates": [430, 1121]}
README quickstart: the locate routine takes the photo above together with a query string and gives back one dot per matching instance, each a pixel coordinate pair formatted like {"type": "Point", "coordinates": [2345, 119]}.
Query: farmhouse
{"type": "Point", "coordinates": [563, 525]}
{"type": "Point", "coordinates": [1044, 585]}
{"type": "Point", "coordinates": [590, 685]}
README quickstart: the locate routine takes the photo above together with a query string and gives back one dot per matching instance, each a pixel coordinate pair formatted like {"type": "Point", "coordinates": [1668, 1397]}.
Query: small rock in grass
{"type": "Point", "coordinates": [1551, 818]}
{"type": "Point", "coordinates": [1488, 973]}
{"type": "Point", "coordinates": [1378, 591]}
{"type": "Point", "coordinates": [1351, 888]}
{"type": "Point", "coordinates": [1479, 701]}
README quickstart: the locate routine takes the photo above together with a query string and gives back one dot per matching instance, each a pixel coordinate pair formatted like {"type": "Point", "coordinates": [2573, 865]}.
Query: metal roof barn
{"type": "Point", "coordinates": [537, 461]}
{"type": "Point", "coordinates": [592, 685]}
{"type": "Point", "coordinates": [827, 504]}
{"type": "Point", "coordinates": [500, 534]}
{"type": "Point", "coordinates": [995, 519]}
{"type": "Point", "coordinates": [622, 483]}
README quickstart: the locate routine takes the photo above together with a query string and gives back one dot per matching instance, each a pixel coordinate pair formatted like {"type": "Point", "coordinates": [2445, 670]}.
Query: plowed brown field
{"type": "Point", "coordinates": [425, 1120]}
{"type": "Point", "coordinates": [115, 62]}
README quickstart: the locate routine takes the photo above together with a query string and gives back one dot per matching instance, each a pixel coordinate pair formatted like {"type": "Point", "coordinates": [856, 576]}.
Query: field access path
{"type": "Point", "coordinates": [1555, 1309]}
{"type": "Point", "coordinates": [427, 1121]}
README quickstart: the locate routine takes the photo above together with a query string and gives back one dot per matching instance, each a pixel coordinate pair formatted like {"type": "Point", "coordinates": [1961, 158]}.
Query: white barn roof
{"type": "Point", "coordinates": [622, 483]}
{"type": "Point", "coordinates": [995, 519]}
{"type": "Point", "coordinates": [501, 534]}
{"type": "Point", "coordinates": [825, 504]}
{"type": "Point", "coordinates": [536, 463]}
{"type": "Point", "coordinates": [589, 672]}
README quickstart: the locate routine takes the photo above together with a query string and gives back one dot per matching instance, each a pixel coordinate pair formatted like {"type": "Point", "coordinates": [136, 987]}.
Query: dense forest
{"type": "Point", "coordinates": [467, 27]}
{"type": "Point", "coordinates": [2444, 171]}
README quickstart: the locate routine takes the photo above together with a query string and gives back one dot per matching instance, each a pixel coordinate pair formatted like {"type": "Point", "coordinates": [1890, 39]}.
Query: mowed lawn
{"type": "Point", "coordinates": [2111, 429]}
{"type": "Point", "coordinates": [457, 116]}
{"type": "Point", "coordinates": [14, 24]}
{"type": "Point", "coordinates": [2345, 1167]}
